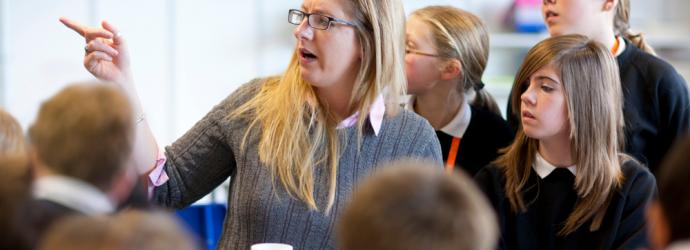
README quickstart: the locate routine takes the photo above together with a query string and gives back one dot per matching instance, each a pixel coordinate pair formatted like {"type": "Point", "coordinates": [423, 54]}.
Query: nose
{"type": "Point", "coordinates": [304, 31]}
{"type": "Point", "coordinates": [528, 97]}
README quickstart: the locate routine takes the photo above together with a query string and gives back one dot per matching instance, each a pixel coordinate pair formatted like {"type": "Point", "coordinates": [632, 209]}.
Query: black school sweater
{"type": "Point", "coordinates": [479, 145]}
{"type": "Point", "coordinates": [550, 200]}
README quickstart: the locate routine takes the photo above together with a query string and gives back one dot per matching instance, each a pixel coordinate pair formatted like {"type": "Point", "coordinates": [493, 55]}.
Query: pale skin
{"type": "Point", "coordinates": [107, 58]}
{"type": "Point", "coordinates": [338, 54]}
{"type": "Point", "coordinates": [332, 74]}
{"type": "Point", "coordinates": [431, 79]}
{"type": "Point", "coordinates": [592, 18]}
{"type": "Point", "coordinates": [544, 116]}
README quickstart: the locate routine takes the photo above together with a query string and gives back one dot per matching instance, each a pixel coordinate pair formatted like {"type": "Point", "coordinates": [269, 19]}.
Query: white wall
{"type": "Point", "coordinates": [188, 55]}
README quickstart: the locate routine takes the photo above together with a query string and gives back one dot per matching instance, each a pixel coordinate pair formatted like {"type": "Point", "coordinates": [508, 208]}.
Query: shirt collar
{"type": "Point", "coordinates": [460, 122]}
{"type": "Point", "coordinates": [621, 46]}
{"type": "Point", "coordinates": [73, 193]}
{"type": "Point", "coordinates": [544, 168]}
{"type": "Point", "coordinates": [679, 245]}
{"type": "Point", "coordinates": [376, 113]}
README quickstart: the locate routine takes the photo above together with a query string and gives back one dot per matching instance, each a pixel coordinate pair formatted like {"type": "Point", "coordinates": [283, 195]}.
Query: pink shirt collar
{"type": "Point", "coordinates": [376, 113]}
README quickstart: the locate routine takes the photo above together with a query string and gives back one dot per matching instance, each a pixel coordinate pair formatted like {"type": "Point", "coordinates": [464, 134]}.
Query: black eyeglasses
{"type": "Point", "coordinates": [417, 52]}
{"type": "Point", "coordinates": [316, 21]}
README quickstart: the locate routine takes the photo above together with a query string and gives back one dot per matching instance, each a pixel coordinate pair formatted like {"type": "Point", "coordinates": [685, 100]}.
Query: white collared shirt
{"type": "Point", "coordinates": [73, 193]}
{"type": "Point", "coordinates": [679, 245]}
{"type": "Point", "coordinates": [544, 168]}
{"type": "Point", "coordinates": [621, 46]}
{"type": "Point", "coordinates": [460, 122]}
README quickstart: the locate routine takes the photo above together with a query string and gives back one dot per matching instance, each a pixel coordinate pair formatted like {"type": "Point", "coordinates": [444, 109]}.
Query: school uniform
{"type": "Point", "coordinates": [550, 197]}
{"type": "Point", "coordinates": [656, 106]}
{"type": "Point", "coordinates": [479, 135]}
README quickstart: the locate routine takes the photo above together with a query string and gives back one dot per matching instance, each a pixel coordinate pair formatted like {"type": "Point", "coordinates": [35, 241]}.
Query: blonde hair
{"type": "Point", "coordinates": [461, 35]}
{"type": "Point", "coordinates": [85, 131]}
{"type": "Point", "coordinates": [621, 25]}
{"type": "Point", "coordinates": [589, 75]}
{"type": "Point", "coordinates": [297, 132]}
{"type": "Point", "coordinates": [11, 135]}
{"type": "Point", "coordinates": [128, 230]}
{"type": "Point", "coordinates": [416, 205]}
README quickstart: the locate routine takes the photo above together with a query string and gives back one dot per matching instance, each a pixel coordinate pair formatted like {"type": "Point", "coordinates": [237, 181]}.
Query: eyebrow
{"type": "Point", "coordinates": [547, 78]}
{"type": "Point", "coordinates": [317, 11]}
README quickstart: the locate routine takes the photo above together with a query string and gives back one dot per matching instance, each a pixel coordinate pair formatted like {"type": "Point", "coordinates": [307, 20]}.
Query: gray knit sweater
{"type": "Point", "coordinates": [258, 210]}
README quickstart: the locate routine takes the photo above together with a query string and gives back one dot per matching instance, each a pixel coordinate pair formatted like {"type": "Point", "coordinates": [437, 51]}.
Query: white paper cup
{"type": "Point", "coordinates": [271, 246]}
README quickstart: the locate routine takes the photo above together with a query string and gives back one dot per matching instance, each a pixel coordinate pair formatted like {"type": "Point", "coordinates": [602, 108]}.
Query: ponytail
{"type": "Point", "coordinates": [484, 100]}
{"type": "Point", "coordinates": [621, 25]}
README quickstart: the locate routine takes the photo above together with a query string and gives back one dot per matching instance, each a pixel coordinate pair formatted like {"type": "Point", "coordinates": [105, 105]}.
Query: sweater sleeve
{"type": "Point", "coordinates": [674, 109]}
{"type": "Point", "coordinates": [203, 157]}
{"type": "Point", "coordinates": [632, 232]}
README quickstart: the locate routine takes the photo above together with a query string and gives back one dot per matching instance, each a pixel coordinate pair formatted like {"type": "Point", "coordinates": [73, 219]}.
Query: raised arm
{"type": "Point", "coordinates": [107, 58]}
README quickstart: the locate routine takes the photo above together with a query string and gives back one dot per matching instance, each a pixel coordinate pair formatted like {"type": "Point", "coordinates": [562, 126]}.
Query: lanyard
{"type": "Point", "coordinates": [452, 154]}
{"type": "Point", "coordinates": [616, 44]}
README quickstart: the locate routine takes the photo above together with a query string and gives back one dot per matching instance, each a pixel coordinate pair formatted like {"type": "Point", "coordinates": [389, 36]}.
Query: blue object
{"type": "Point", "coordinates": [528, 17]}
{"type": "Point", "coordinates": [206, 221]}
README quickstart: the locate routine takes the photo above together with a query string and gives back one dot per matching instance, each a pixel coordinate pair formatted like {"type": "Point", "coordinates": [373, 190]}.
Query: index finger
{"type": "Point", "coordinates": [86, 32]}
{"type": "Point", "coordinates": [73, 25]}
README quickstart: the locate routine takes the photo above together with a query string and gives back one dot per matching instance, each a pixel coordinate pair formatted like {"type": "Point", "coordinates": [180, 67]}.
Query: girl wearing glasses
{"type": "Point", "coordinates": [447, 52]}
{"type": "Point", "coordinates": [563, 183]}
{"type": "Point", "coordinates": [656, 105]}
{"type": "Point", "coordinates": [295, 145]}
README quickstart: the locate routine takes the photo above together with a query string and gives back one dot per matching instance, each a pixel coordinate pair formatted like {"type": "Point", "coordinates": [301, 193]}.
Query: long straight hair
{"type": "Point", "coordinates": [298, 133]}
{"type": "Point", "coordinates": [458, 34]}
{"type": "Point", "coordinates": [621, 26]}
{"type": "Point", "coordinates": [589, 75]}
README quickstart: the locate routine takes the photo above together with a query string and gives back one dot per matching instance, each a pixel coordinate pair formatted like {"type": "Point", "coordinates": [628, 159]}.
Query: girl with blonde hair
{"type": "Point", "coordinates": [293, 145]}
{"type": "Point", "coordinates": [656, 105]}
{"type": "Point", "coordinates": [447, 52]}
{"type": "Point", "coordinates": [563, 183]}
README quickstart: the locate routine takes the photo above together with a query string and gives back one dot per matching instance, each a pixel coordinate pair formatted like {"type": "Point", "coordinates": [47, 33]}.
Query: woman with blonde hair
{"type": "Point", "coordinates": [296, 144]}
{"type": "Point", "coordinates": [563, 183]}
{"type": "Point", "coordinates": [447, 52]}
{"type": "Point", "coordinates": [656, 105]}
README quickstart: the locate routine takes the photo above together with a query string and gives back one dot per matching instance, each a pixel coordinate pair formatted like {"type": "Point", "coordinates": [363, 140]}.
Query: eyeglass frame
{"type": "Point", "coordinates": [417, 52]}
{"type": "Point", "coordinates": [307, 15]}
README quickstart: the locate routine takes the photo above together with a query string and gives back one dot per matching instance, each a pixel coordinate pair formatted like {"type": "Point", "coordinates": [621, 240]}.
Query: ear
{"type": "Point", "coordinates": [610, 5]}
{"type": "Point", "coordinates": [451, 69]}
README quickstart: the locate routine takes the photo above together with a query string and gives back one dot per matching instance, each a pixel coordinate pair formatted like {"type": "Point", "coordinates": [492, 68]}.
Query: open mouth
{"type": "Point", "coordinates": [550, 14]}
{"type": "Point", "coordinates": [306, 54]}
